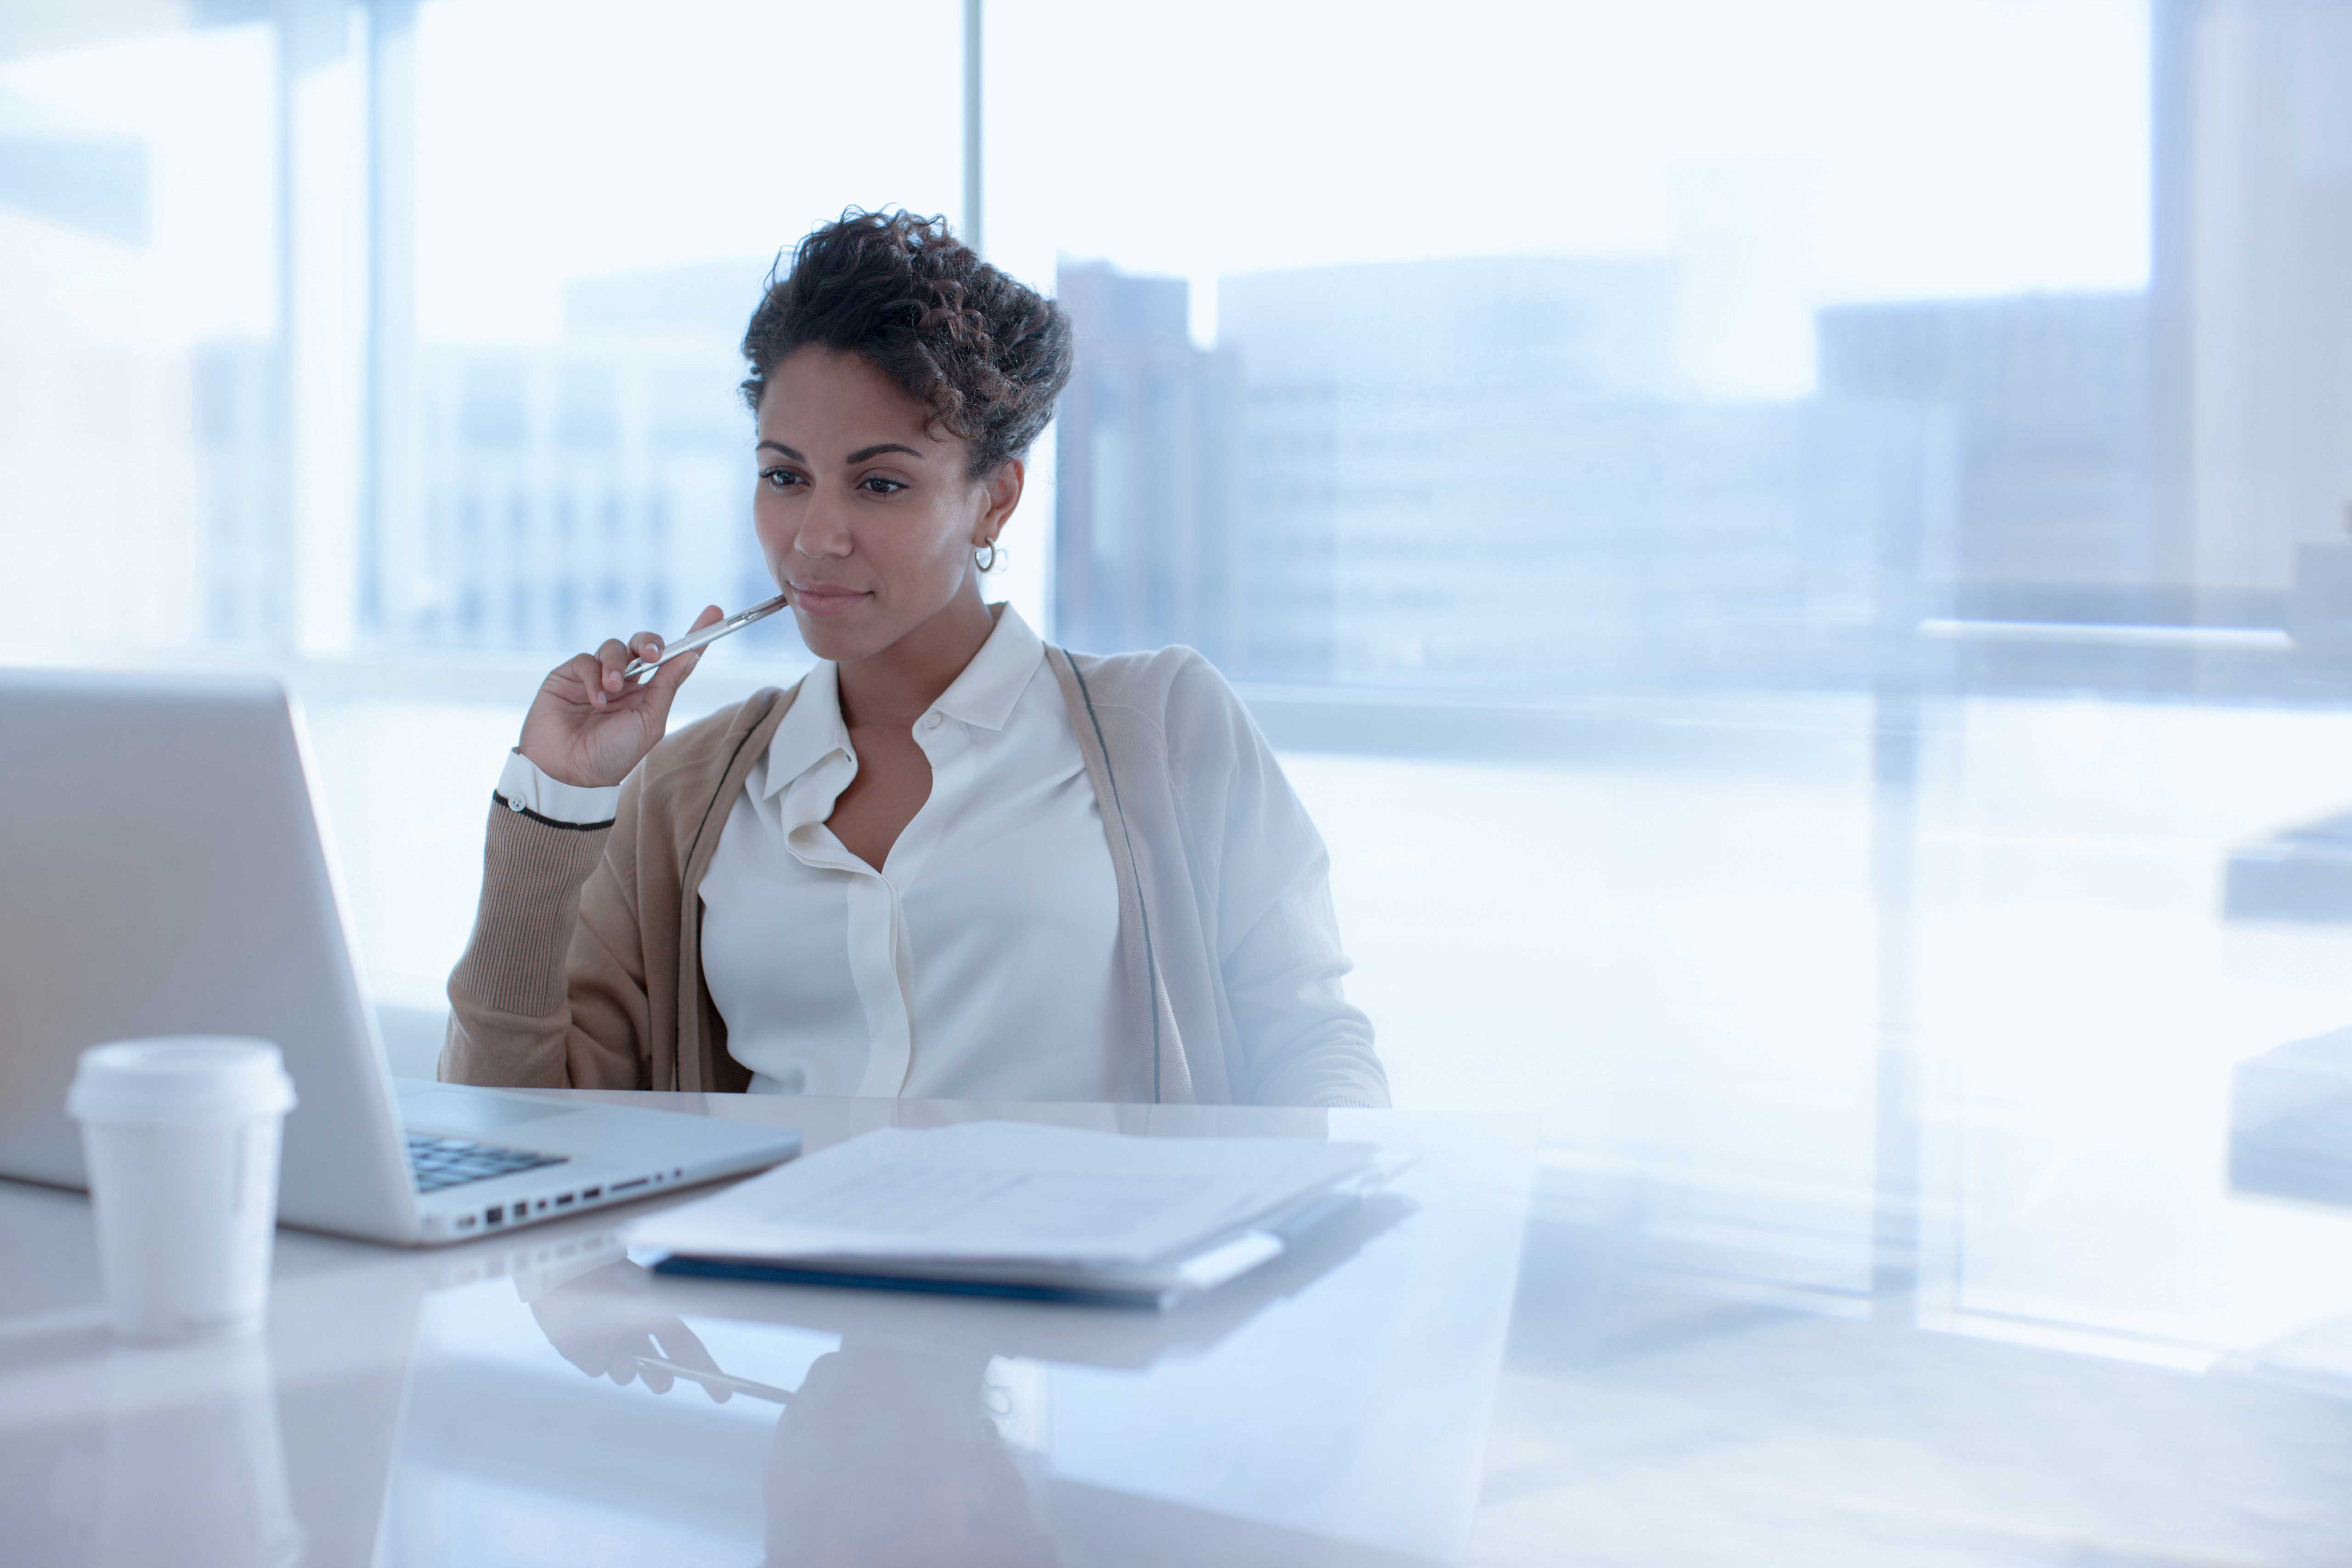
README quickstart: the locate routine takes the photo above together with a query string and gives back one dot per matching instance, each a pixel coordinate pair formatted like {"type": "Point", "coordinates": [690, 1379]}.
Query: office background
{"type": "Point", "coordinates": [1797, 552]}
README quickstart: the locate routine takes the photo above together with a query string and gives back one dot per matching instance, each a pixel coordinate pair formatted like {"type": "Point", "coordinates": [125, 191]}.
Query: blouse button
{"type": "Point", "coordinates": [930, 720]}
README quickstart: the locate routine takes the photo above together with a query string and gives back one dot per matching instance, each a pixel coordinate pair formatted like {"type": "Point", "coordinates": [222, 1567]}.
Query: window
{"type": "Point", "coordinates": [1797, 553]}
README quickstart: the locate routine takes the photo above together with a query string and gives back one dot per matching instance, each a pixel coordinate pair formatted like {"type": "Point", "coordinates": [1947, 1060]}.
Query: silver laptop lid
{"type": "Point", "coordinates": [162, 871]}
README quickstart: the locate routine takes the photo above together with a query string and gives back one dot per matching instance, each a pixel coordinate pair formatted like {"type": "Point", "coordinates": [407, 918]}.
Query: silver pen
{"type": "Point", "coordinates": [714, 1379]}
{"type": "Point", "coordinates": [707, 635]}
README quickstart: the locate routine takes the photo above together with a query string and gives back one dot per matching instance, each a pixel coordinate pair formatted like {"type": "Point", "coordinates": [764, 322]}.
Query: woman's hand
{"type": "Point", "coordinates": [588, 727]}
{"type": "Point", "coordinates": [603, 1325]}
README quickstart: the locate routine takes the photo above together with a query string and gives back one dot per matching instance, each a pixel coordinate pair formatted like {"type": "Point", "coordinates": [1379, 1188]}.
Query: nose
{"type": "Point", "coordinates": [824, 530]}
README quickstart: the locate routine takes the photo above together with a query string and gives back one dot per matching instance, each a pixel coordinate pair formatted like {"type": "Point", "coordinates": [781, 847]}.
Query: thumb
{"type": "Point", "coordinates": [663, 682]}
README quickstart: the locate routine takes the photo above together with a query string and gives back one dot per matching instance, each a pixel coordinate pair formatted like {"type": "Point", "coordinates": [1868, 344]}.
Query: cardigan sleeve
{"type": "Point", "coordinates": [550, 992]}
{"type": "Point", "coordinates": [1300, 1042]}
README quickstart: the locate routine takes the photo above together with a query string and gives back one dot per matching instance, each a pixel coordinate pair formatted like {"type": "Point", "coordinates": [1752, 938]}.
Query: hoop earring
{"type": "Point", "coordinates": [993, 555]}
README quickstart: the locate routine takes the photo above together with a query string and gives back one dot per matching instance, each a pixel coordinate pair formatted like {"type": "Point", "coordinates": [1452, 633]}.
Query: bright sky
{"type": "Point", "coordinates": [1818, 148]}
{"type": "Point", "coordinates": [584, 138]}
{"type": "Point", "coordinates": [1952, 146]}
{"type": "Point", "coordinates": [1784, 154]}
{"type": "Point", "coordinates": [202, 104]}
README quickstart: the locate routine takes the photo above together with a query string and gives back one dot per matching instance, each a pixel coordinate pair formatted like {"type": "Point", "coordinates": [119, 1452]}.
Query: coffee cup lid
{"type": "Point", "coordinates": [182, 1078]}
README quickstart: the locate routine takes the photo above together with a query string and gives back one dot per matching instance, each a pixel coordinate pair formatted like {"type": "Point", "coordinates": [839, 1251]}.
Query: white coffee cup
{"type": "Point", "coordinates": [180, 1136]}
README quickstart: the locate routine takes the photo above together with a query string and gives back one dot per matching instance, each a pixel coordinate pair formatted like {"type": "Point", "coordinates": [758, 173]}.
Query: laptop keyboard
{"type": "Point", "coordinates": [439, 1162]}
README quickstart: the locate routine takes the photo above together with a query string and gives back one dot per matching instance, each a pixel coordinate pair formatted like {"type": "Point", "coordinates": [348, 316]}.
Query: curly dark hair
{"type": "Point", "coordinates": [986, 353]}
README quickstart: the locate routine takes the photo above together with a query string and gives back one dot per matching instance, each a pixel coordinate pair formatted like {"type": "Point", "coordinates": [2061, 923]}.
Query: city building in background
{"type": "Point", "coordinates": [2048, 399]}
{"type": "Point", "coordinates": [1483, 472]}
{"type": "Point", "coordinates": [1457, 474]}
{"type": "Point", "coordinates": [561, 494]}
{"type": "Point", "coordinates": [244, 559]}
{"type": "Point", "coordinates": [1146, 467]}
{"type": "Point", "coordinates": [1488, 473]}
{"type": "Point", "coordinates": [1464, 474]}
{"type": "Point", "coordinates": [2257, 262]}
{"type": "Point", "coordinates": [591, 488]}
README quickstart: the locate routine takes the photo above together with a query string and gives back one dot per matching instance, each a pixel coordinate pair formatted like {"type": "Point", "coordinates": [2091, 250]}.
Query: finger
{"type": "Point", "coordinates": [613, 656]}
{"type": "Point", "coordinates": [578, 678]}
{"type": "Point", "coordinates": [681, 1344]}
{"type": "Point", "coordinates": [671, 676]}
{"type": "Point", "coordinates": [623, 1367]}
{"type": "Point", "coordinates": [646, 645]}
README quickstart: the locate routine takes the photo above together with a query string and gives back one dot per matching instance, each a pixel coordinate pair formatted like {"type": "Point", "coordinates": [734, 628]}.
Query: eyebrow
{"type": "Point", "coordinates": [859, 456]}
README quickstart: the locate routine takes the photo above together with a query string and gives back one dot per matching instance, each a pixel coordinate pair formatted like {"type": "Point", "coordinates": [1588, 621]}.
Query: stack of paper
{"type": "Point", "coordinates": [1014, 1208]}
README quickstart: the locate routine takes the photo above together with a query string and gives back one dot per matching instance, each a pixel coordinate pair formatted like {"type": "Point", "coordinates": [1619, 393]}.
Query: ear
{"type": "Point", "coordinates": [1001, 492]}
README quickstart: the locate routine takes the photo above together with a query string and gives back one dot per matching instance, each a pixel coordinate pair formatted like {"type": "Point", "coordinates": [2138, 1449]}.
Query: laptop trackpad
{"type": "Point", "coordinates": [448, 1111]}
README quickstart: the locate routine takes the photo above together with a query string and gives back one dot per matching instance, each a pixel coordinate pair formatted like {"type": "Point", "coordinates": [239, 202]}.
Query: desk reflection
{"type": "Point", "coordinates": [196, 1481]}
{"type": "Point", "coordinates": [891, 1455]}
{"type": "Point", "coordinates": [885, 1454]}
{"type": "Point", "coordinates": [898, 1446]}
{"type": "Point", "coordinates": [258, 1451]}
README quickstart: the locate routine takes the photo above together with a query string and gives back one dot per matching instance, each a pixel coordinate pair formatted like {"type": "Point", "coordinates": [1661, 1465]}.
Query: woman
{"type": "Point", "coordinates": [952, 861]}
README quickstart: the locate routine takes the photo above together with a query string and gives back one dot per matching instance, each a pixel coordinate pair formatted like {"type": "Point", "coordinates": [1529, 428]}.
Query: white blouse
{"type": "Point", "coordinates": [978, 963]}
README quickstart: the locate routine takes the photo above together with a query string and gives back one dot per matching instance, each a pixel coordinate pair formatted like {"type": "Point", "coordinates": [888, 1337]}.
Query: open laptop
{"type": "Point", "coordinates": [162, 872]}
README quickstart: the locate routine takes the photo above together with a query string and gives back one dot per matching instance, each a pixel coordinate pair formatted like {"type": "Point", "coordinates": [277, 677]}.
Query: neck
{"type": "Point", "coordinates": [895, 686]}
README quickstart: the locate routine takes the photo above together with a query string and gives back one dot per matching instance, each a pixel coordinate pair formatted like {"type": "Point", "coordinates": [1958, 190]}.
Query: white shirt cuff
{"type": "Point", "coordinates": [524, 788]}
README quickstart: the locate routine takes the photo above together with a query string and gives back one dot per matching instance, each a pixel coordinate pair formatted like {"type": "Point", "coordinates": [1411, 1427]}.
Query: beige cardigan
{"type": "Point", "coordinates": [584, 968]}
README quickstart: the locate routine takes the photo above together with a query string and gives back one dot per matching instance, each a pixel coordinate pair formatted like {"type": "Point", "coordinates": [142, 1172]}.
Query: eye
{"type": "Point", "coordinates": [778, 479]}
{"type": "Point", "coordinates": [877, 485]}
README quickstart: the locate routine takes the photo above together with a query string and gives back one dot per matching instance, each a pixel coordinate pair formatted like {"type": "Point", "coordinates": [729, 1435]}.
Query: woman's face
{"type": "Point", "coordinates": [867, 518]}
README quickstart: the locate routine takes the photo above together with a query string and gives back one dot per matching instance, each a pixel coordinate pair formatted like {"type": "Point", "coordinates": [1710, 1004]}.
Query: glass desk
{"type": "Point", "coordinates": [1525, 1354]}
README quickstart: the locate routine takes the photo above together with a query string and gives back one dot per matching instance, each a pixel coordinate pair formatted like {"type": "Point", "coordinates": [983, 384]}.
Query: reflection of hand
{"type": "Point", "coordinates": [593, 1323]}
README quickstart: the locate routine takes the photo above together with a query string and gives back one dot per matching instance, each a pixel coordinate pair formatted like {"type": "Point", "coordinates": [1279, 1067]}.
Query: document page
{"type": "Point", "coordinates": [1004, 1192]}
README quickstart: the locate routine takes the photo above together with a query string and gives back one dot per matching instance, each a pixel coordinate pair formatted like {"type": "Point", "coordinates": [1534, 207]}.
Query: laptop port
{"type": "Point", "coordinates": [466, 1223]}
{"type": "Point", "coordinates": [496, 1214]}
{"type": "Point", "coordinates": [565, 1199]}
{"type": "Point", "coordinates": [624, 1187]}
{"type": "Point", "coordinates": [586, 1193]}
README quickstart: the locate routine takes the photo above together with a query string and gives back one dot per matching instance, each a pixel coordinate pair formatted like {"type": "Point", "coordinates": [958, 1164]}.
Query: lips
{"type": "Point", "coordinates": [826, 599]}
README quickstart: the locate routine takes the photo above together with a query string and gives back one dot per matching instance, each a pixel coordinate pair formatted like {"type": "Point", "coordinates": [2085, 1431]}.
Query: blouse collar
{"type": "Point", "coordinates": [982, 696]}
